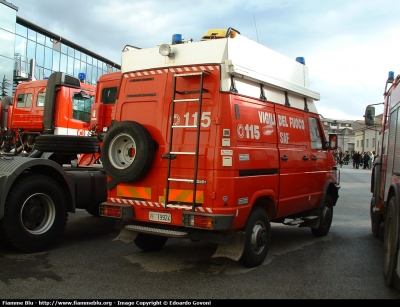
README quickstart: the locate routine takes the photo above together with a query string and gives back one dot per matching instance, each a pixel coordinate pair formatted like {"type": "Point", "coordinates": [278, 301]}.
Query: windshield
{"type": "Point", "coordinates": [81, 106]}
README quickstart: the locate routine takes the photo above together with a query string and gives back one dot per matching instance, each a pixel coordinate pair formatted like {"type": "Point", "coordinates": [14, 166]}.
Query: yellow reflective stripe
{"type": "Point", "coordinates": [185, 196]}
{"type": "Point", "coordinates": [133, 192]}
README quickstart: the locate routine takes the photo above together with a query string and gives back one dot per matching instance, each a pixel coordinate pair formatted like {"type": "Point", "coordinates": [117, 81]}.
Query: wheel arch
{"type": "Point", "coordinates": [330, 189]}
{"type": "Point", "coordinates": [264, 199]}
{"type": "Point", "coordinates": [394, 190]}
{"type": "Point", "coordinates": [10, 175]}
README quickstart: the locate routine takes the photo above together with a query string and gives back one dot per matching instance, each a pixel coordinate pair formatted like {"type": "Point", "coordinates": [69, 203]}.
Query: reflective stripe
{"type": "Point", "coordinates": [158, 205]}
{"type": "Point", "coordinates": [133, 192]}
{"type": "Point", "coordinates": [173, 70]}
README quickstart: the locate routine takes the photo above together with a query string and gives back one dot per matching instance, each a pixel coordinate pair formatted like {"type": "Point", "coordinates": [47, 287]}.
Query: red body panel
{"type": "Point", "coordinates": [242, 146]}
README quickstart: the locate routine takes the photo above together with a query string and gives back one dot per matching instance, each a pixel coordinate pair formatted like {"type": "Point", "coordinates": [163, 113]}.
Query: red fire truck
{"type": "Point", "coordinates": [214, 140]}
{"type": "Point", "coordinates": [23, 119]}
{"type": "Point", "coordinates": [101, 113]}
{"type": "Point", "coordinates": [385, 181]}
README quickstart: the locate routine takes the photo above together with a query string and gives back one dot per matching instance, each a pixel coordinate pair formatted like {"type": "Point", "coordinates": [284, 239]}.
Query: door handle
{"type": "Point", "coordinates": [284, 158]}
{"type": "Point", "coordinates": [305, 158]}
{"type": "Point", "coordinates": [314, 158]}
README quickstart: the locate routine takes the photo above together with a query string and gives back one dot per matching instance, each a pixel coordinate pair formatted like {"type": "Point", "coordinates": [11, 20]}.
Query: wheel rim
{"type": "Point", "coordinates": [259, 237]}
{"type": "Point", "coordinates": [38, 214]}
{"type": "Point", "coordinates": [122, 151]}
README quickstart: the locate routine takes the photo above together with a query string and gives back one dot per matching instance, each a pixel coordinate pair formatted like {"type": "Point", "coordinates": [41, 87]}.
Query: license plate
{"type": "Point", "coordinates": [160, 217]}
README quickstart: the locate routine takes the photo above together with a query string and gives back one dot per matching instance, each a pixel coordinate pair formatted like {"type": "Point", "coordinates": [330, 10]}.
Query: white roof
{"type": "Point", "coordinates": [238, 56]}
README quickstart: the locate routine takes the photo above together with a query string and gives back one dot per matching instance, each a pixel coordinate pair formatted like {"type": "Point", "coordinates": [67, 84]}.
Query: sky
{"type": "Point", "coordinates": [349, 46]}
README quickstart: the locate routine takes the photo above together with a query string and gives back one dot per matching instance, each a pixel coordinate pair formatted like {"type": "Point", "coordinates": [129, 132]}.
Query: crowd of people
{"type": "Point", "coordinates": [360, 159]}
{"type": "Point", "coordinates": [364, 159]}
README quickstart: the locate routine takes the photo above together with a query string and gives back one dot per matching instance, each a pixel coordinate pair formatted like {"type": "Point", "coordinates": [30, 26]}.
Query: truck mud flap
{"type": "Point", "coordinates": [233, 250]}
{"type": "Point", "coordinates": [126, 236]}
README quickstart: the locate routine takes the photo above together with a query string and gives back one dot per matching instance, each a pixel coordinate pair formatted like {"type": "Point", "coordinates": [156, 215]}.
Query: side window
{"type": "Point", "coordinates": [315, 134]}
{"type": "Point", "coordinates": [109, 94]}
{"type": "Point", "coordinates": [24, 100]}
{"type": "Point", "coordinates": [81, 106]}
{"type": "Point", "coordinates": [40, 99]}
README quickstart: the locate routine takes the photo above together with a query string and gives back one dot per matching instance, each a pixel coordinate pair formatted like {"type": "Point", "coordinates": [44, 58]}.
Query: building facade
{"type": "Point", "coordinates": [29, 52]}
{"type": "Point", "coordinates": [368, 138]}
{"type": "Point", "coordinates": [354, 135]}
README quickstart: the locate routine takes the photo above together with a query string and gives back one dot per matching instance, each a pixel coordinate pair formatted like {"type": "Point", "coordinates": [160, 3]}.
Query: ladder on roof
{"type": "Point", "coordinates": [171, 155]}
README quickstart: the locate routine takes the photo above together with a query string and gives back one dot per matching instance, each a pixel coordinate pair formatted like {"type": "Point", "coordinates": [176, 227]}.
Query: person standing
{"type": "Point", "coordinates": [371, 160]}
{"type": "Point", "coordinates": [366, 159]}
{"type": "Point", "coordinates": [356, 159]}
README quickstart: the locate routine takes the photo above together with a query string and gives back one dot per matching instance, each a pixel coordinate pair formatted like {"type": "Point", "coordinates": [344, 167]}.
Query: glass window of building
{"type": "Point", "coordinates": [70, 65]}
{"type": "Point", "coordinates": [7, 19]}
{"type": "Point", "coordinates": [21, 30]}
{"type": "Point", "coordinates": [56, 60]}
{"type": "Point", "coordinates": [48, 58]}
{"type": "Point", "coordinates": [40, 55]}
{"type": "Point", "coordinates": [20, 45]}
{"type": "Point", "coordinates": [83, 67]}
{"type": "Point", "coordinates": [89, 60]}
{"type": "Point", "coordinates": [63, 63]}
{"type": "Point", "coordinates": [71, 52]}
{"type": "Point", "coordinates": [64, 48]}
{"type": "Point", "coordinates": [77, 67]}
{"type": "Point", "coordinates": [77, 55]}
{"type": "Point", "coordinates": [32, 35]}
{"type": "Point", "coordinates": [89, 73]}
{"type": "Point", "coordinates": [39, 74]}
{"type": "Point", "coordinates": [40, 38]}
{"type": "Point", "coordinates": [49, 42]}
{"type": "Point", "coordinates": [46, 74]}
{"type": "Point", "coordinates": [31, 49]}
{"type": "Point", "coordinates": [99, 73]}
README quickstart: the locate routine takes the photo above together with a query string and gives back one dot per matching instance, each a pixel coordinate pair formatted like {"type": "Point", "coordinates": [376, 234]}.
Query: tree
{"type": "Point", "coordinates": [3, 86]}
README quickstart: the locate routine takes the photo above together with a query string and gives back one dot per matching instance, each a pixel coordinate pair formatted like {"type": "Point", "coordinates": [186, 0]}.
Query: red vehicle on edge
{"type": "Point", "coordinates": [385, 181]}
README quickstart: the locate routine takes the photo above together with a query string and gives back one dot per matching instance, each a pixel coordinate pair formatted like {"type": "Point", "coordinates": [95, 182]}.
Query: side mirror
{"type": "Point", "coordinates": [369, 116]}
{"type": "Point", "coordinates": [333, 141]}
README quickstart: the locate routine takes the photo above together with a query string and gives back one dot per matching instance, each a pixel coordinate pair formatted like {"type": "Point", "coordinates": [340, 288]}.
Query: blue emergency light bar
{"type": "Point", "coordinates": [82, 76]}
{"type": "Point", "coordinates": [390, 77]}
{"type": "Point", "coordinates": [301, 60]}
{"type": "Point", "coordinates": [177, 39]}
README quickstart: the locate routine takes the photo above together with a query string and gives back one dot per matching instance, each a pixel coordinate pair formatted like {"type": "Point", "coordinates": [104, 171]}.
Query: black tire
{"type": "Point", "coordinates": [35, 214]}
{"type": "Point", "coordinates": [326, 216]}
{"type": "Point", "coordinates": [127, 152]}
{"type": "Point", "coordinates": [149, 243]}
{"type": "Point", "coordinates": [67, 144]}
{"type": "Point", "coordinates": [376, 219]}
{"type": "Point", "coordinates": [257, 238]}
{"type": "Point", "coordinates": [391, 242]}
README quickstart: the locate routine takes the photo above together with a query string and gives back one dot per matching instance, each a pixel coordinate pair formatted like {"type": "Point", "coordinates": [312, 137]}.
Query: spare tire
{"type": "Point", "coordinates": [67, 144]}
{"type": "Point", "coordinates": [127, 152]}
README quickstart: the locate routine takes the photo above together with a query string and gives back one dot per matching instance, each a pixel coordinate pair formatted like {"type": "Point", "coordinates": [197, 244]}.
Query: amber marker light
{"type": "Point", "coordinates": [202, 221]}
{"type": "Point", "coordinates": [111, 211]}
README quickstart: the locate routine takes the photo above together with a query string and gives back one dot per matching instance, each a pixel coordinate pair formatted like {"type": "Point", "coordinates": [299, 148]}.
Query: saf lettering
{"type": "Point", "coordinates": [284, 136]}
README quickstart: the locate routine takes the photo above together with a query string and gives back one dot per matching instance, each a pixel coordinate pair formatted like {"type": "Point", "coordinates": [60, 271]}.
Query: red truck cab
{"type": "Point", "coordinates": [25, 119]}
